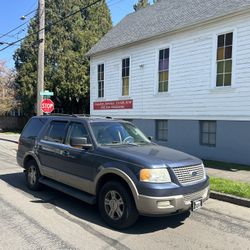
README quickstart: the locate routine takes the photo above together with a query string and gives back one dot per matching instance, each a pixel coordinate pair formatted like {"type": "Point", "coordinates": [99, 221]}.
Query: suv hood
{"type": "Point", "coordinates": [150, 155]}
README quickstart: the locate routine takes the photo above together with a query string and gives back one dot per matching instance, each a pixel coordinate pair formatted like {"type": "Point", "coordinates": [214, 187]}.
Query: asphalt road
{"type": "Point", "coordinates": [53, 220]}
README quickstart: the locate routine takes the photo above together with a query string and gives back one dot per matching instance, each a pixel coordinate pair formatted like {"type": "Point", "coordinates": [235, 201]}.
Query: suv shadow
{"type": "Point", "coordinates": [51, 198]}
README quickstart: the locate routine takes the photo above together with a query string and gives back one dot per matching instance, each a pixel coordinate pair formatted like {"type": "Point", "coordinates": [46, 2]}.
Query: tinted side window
{"type": "Point", "coordinates": [77, 130]}
{"type": "Point", "coordinates": [56, 131]}
{"type": "Point", "coordinates": [33, 127]}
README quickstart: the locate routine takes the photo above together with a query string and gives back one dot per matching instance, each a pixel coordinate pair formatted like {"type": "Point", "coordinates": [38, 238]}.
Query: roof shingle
{"type": "Point", "coordinates": [163, 17]}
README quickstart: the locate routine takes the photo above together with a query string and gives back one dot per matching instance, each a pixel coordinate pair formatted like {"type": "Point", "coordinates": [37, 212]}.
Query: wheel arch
{"type": "Point", "coordinates": [30, 157]}
{"type": "Point", "coordinates": [110, 174]}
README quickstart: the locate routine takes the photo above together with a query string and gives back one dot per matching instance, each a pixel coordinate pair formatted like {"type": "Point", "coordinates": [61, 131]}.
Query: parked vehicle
{"type": "Point", "coordinates": [112, 163]}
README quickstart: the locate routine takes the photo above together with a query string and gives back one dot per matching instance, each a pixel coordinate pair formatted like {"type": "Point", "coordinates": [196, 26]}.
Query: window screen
{"type": "Point", "coordinates": [224, 60]}
{"type": "Point", "coordinates": [161, 130]}
{"type": "Point", "coordinates": [101, 80]}
{"type": "Point", "coordinates": [163, 70]}
{"type": "Point", "coordinates": [125, 76]}
{"type": "Point", "coordinates": [208, 133]}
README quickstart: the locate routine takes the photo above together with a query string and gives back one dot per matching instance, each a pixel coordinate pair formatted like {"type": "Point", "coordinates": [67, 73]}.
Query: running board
{"type": "Point", "coordinates": [69, 190]}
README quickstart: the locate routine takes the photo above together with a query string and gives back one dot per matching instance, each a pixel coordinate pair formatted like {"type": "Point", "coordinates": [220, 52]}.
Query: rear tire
{"type": "Point", "coordinates": [32, 176]}
{"type": "Point", "coordinates": [117, 206]}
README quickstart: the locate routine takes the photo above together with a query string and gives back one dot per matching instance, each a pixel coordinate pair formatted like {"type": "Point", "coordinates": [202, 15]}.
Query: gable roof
{"type": "Point", "coordinates": [163, 17]}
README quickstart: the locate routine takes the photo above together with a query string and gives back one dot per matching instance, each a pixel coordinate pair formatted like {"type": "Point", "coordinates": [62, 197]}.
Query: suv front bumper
{"type": "Point", "coordinates": [157, 206]}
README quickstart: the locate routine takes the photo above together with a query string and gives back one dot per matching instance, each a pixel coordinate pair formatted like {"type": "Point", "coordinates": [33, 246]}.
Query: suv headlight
{"type": "Point", "coordinates": [159, 175]}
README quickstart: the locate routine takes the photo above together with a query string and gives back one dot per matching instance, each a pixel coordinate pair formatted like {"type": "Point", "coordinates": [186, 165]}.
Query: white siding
{"type": "Point", "coordinates": [192, 94]}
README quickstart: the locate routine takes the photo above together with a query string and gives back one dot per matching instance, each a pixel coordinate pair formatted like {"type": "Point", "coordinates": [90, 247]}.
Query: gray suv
{"type": "Point", "coordinates": [112, 163]}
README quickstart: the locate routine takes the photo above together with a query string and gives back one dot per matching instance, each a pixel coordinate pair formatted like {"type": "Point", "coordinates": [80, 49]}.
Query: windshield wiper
{"type": "Point", "coordinates": [130, 143]}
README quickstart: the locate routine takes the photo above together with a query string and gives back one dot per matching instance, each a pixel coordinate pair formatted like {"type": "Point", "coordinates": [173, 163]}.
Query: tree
{"type": "Point", "coordinates": [7, 89]}
{"type": "Point", "coordinates": [141, 4]}
{"type": "Point", "coordinates": [66, 67]}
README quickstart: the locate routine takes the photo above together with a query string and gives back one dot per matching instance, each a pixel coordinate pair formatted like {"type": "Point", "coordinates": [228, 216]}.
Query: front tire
{"type": "Point", "coordinates": [117, 206]}
{"type": "Point", "coordinates": [32, 176]}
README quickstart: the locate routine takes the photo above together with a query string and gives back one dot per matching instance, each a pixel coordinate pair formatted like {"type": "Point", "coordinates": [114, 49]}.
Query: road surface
{"type": "Point", "coordinates": [52, 220]}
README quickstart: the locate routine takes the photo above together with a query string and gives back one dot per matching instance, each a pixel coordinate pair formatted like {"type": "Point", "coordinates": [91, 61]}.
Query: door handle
{"type": "Point", "coordinates": [37, 146]}
{"type": "Point", "coordinates": [65, 153]}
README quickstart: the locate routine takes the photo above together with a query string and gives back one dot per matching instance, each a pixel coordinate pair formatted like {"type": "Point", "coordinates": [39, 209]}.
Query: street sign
{"type": "Point", "coordinates": [47, 106]}
{"type": "Point", "coordinates": [46, 93]}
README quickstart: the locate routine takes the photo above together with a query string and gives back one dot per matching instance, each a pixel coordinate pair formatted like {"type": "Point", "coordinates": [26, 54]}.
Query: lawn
{"type": "Point", "coordinates": [230, 187]}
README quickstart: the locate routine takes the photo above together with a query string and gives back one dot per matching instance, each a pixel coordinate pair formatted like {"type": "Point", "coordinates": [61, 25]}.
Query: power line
{"type": "Point", "coordinates": [52, 24]}
{"type": "Point", "coordinates": [14, 29]}
{"type": "Point", "coordinates": [24, 16]}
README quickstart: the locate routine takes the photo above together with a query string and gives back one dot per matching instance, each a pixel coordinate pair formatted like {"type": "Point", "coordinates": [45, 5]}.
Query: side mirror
{"type": "Point", "coordinates": [80, 142]}
{"type": "Point", "coordinates": [150, 138]}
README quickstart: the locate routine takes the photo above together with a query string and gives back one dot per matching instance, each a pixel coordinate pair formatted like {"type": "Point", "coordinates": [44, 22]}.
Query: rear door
{"type": "Point", "coordinates": [51, 147]}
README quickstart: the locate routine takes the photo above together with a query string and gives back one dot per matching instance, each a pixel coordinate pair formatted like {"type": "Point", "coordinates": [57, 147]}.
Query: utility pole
{"type": "Point", "coordinates": [40, 77]}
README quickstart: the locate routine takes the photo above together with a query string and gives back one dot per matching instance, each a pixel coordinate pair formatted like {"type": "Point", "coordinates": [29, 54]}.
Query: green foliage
{"type": "Point", "coordinates": [141, 4]}
{"type": "Point", "coordinates": [66, 43]}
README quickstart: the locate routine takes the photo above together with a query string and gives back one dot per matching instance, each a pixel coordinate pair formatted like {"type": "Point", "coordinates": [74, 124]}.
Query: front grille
{"type": "Point", "coordinates": [195, 196]}
{"type": "Point", "coordinates": [187, 175]}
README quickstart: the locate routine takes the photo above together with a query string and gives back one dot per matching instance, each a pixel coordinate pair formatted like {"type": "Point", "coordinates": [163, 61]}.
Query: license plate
{"type": "Point", "coordinates": [196, 204]}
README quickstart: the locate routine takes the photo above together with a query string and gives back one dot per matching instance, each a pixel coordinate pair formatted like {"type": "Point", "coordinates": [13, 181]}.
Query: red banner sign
{"type": "Point", "coordinates": [119, 104]}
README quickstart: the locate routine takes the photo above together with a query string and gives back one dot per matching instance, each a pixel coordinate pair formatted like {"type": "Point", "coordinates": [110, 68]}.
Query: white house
{"type": "Point", "coordinates": [180, 70]}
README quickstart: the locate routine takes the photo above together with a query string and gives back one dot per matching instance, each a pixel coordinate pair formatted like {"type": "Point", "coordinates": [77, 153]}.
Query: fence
{"type": "Point", "coordinates": [12, 122]}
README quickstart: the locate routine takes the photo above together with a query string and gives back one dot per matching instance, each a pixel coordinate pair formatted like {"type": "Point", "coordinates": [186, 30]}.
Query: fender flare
{"type": "Point", "coordinates": [122, 175]}
{"type": "Point", "coordinates": [33, 155]}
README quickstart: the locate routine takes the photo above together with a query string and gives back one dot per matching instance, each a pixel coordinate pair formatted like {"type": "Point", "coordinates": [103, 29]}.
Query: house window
{"type": "Point", "coordinates": [208, 133]}
{"type": "Point", "coordinates": [125, 76]}
{"type": "Point", "coordinates": [101, 80]}
{"type": "Point", "coordinates": [163, 70]}
{"type": "Point", "coordinates": [161, 130]}
{"type": "Point", "coordinates": [224, 60]}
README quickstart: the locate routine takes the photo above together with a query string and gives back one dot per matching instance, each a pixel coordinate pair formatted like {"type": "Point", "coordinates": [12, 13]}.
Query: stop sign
{"type": "Point", "coordinates": [47, 106]}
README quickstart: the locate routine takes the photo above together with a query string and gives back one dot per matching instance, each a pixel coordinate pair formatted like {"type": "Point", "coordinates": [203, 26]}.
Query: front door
{"type": "Point", "coordinates": [77, 161]}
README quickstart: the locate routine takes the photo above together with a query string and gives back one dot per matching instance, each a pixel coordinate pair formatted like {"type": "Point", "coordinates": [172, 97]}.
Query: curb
{"type": "Point", "coordinates": [2, 139]}
{"type": "Point", "coordinates": [230, 198]}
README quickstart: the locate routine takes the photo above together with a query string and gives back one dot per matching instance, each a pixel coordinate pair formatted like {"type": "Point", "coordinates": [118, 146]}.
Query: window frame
{"type": "Point", "coordinates": [68, 134]}
{"type": "Point", "coordinates": [104, 74]}
{"type": "Point", "coordinates": [157, 54]}
{"type": "Point", "coordinates": [157, 130]}
{"type": "Point", "coordinates": [96, 89]}
{"type": "Point", "coordinates": [201, 132]}
{"type": "Point", "coordinates": [44, 136]}
{"type": "Point", "coordinates": [121, 78]}
{"type": "Point", "coordinates": [214, 57]}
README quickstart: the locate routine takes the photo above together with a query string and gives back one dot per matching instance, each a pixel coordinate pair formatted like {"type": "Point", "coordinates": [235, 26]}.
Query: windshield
{"type": "Point", "coordinates": [111, 133]}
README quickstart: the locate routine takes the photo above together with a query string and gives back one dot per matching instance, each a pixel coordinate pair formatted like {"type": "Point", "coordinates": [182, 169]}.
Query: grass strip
{"type": "Point", "coordinates": [225, 186]}
{"type": "Point", "coordinates": [225, 166]}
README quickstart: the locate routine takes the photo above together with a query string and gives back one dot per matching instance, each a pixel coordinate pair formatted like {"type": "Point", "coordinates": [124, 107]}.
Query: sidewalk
{"type": "Point", "coordinates": [234, 175]}
{"type": "Point", "coordinates": [9, 137]}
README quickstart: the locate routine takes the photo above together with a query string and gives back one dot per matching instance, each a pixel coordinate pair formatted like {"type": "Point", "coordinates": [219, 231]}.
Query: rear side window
{"type": "Point", "coordinates": [56, 131]}
{"type": "Point", "coordinates": [33, 128]}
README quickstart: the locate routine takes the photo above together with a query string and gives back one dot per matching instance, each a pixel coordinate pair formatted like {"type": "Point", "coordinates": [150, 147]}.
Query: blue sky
{"type": "Point", "coordinates": [12, 10]}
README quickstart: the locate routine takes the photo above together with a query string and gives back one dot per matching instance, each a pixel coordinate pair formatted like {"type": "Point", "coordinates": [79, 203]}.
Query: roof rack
{"type": "Point", "coordinates": [78, 115]}
{"type": "Point", "coordinates": [59, 114]}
